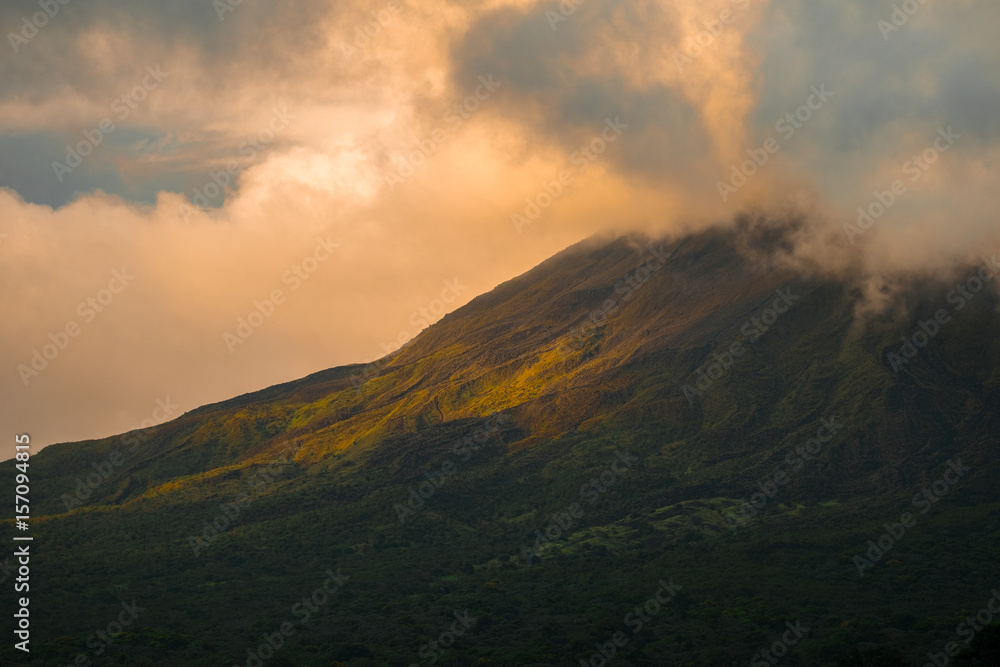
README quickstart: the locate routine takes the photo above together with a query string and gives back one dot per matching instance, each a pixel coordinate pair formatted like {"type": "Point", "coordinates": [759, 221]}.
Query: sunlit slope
{"type": "Point", "coordinates": [709, 373]}
{"type": "Point", "coordinates": [607, 334]}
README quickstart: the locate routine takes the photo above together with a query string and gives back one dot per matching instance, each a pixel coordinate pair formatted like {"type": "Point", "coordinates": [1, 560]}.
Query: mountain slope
{"type": "Point", "coordinates": [657, 386]}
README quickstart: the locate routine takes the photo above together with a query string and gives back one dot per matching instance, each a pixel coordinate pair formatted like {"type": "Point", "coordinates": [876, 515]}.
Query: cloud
{"type": "Point", "coordinates": [606, 117]}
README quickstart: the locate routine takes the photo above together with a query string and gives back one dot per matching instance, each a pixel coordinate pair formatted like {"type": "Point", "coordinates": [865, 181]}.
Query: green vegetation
{"type": "Point", "coordinates": [494, 487]}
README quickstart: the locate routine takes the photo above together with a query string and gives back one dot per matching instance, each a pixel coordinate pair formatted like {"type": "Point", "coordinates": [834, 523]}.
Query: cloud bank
{"type": "Point", "coordinates": [319, 175]}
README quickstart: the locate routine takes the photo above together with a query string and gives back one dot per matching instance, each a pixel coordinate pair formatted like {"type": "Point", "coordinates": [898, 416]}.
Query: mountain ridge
{"type": "Point", "coordinates": [511, 409]}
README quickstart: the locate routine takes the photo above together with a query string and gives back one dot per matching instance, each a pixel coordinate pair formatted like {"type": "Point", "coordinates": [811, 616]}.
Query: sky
{"type": "Point", "coordinates": [201, 198]}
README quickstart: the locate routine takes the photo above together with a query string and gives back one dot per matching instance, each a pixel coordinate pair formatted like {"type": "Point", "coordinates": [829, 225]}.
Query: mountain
{"type": "Point", "coordinates": [681, 451]}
